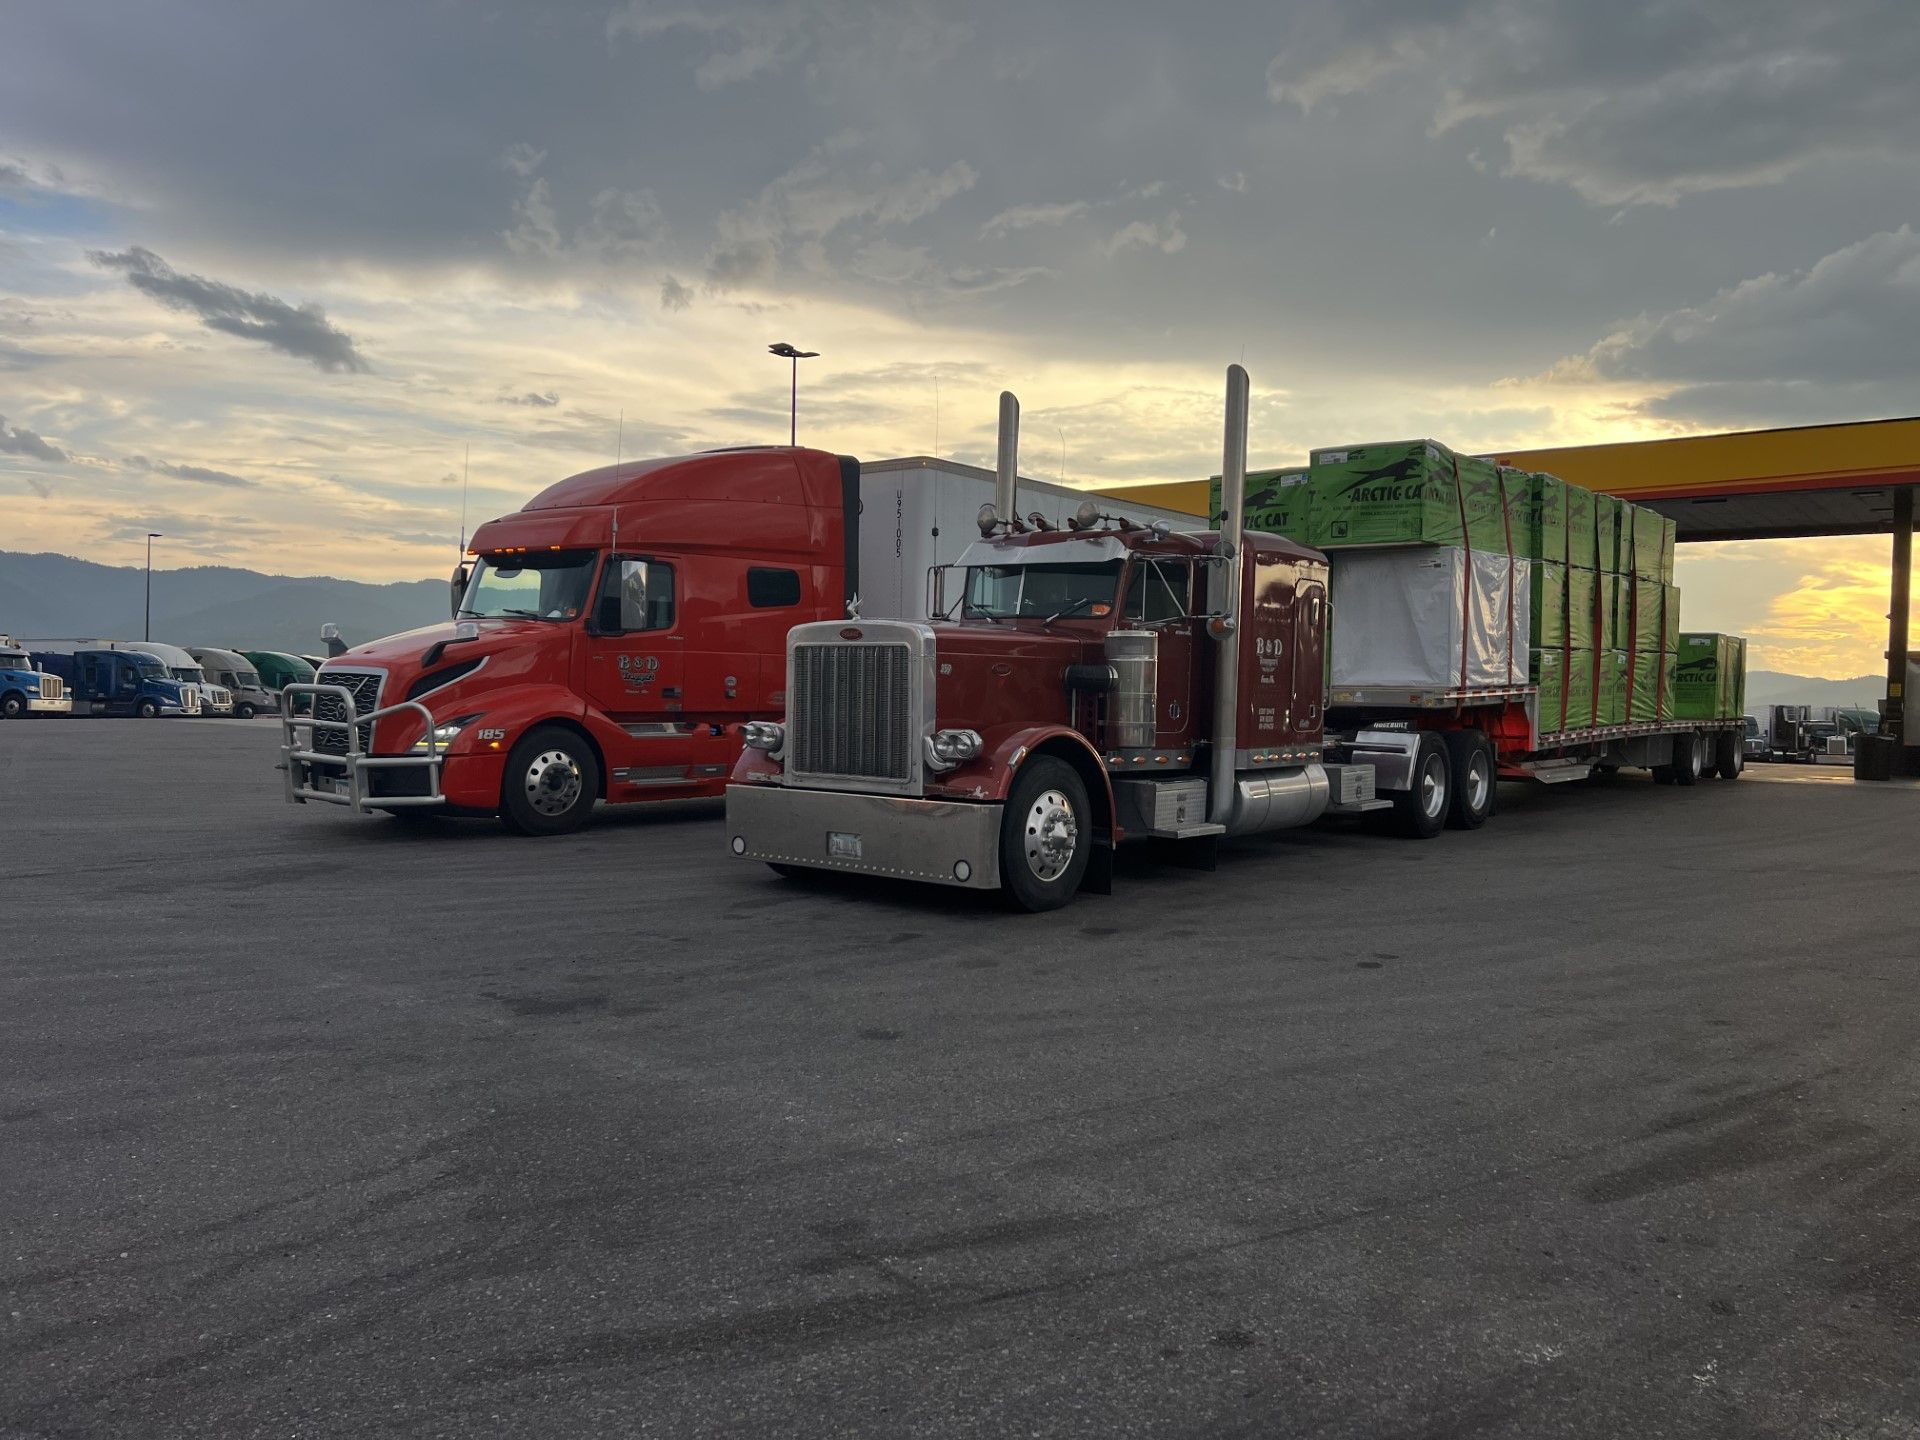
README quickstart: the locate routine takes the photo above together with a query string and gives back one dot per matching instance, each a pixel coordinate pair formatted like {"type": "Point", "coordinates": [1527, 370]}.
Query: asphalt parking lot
{"type": "Point", "coordinates": [1601, 1121]}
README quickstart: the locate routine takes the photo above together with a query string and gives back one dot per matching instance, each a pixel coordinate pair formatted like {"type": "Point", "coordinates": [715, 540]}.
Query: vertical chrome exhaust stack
{"type": "Point", "coordinates": [1006, 472]}
{"type": "Point", "coordinates": [1226, 675]}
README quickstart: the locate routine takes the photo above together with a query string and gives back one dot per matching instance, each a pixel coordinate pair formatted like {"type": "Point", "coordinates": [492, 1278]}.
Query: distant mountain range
{"type": "Point", "coordinates": [1767, 688]}
{"type": "Point", "coordinates": [55, 595]}
{"type": "Point", "coordinates": [45, 596]}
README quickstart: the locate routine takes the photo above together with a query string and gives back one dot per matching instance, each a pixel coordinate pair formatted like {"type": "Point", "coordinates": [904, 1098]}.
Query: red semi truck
{"type": "Point", "coordinates": [609, 639]}
{"type": "Point", "coordinates": [1105, 682]}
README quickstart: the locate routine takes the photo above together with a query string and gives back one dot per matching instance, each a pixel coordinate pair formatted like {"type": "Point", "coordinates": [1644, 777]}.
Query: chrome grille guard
{"type": "Point", "coordinates": [299, 754]}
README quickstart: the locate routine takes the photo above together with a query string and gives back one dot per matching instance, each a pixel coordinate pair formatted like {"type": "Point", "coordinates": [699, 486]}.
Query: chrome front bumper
{"type": "Point", "coordinates": [41, 705]}
{"type": "Point", "coordinates": [941, 842]}
{"type": "Point", "coordinates": [342, 779]}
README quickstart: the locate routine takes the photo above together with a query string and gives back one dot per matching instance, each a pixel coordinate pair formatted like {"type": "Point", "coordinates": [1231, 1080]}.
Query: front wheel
{"type": "Point", "coordinates": [551, 783]}
{"type": "Point", "coordinates": [1045, 836]}
{"type": "Point", "coordinates": [148, 709]}
{"type": "Point", "coordinates": [244, 711]}
{"type": "Point", "coordinates": [12, 705]}
{"type": "Point", "coordinates": [1421, 811]}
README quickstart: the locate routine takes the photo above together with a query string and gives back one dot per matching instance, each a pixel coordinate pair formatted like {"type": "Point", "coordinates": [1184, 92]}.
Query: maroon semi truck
{"type": "Point", "coordinates": [1105, 682]}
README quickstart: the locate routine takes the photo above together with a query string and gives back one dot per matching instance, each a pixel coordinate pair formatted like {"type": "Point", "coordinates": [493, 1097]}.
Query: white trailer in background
{"type": "Point", "coordinates": [918, 512]}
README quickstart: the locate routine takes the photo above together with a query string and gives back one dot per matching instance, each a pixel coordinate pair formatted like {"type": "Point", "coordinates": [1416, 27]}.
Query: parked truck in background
{"type": "Point", "coordinates": [229, 669]}
{"type": "Point", "coordinates": [608, 640]}
{"type": "Point", "coordinates": [119, 682]}
{"type": "Point", "coordinates": [277, 669]}
{"type": "Point", "coordinates": [1112, 681]}
{"type": "Point", "coordinates": [26, 689]}
{"type": "Point", "coordinates": [215, 699]}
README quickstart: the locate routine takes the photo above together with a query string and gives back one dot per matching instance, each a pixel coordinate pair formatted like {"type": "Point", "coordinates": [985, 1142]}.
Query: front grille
{"type": "Point", "coordinates": [189, 702]}
{"type": "Point", "coordinates": [52, 687]}
{"type": "Point", "coordinates": [851, 711]}
{"type": "Point", "coordinates": [220, 697]}
{"type": "Point", "coordinates": [365, 689]}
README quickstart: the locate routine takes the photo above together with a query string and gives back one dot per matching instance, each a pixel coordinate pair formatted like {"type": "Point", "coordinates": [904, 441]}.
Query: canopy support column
{"type": "Point", "coordinates": [1897, 612]}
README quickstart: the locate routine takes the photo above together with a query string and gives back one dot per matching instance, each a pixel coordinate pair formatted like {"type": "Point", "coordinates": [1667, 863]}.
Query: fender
{"type": "Point", "coordinates": [1006, 749]}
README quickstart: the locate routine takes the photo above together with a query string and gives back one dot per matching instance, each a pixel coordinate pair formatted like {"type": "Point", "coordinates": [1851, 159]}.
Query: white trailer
{"type": "Point", "coordinates": [918, 512]}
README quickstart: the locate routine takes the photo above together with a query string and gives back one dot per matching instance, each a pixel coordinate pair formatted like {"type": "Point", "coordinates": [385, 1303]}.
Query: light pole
{"type": "Point", "coordinates": [787, 352]}
{"type": "Point", "coordinates": [146, 626]}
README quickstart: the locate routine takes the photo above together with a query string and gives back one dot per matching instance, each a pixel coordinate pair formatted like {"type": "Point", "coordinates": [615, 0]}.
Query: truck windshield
{"type": "Point", "coordinates": [551, 585]}
{"type": "Point", "coordinates": [149, 668]}
{"type": "Point", "coordinates": [187, 672]}
{"type": "Point", "coordinates": [1007, 592]}
{"type": "Point", "coordinates": [14, 660]}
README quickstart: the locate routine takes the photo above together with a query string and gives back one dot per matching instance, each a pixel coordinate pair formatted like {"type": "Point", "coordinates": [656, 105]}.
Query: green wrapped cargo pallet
{"type": "Point", "coordinates": [1709, 677]}
{"type": "Point", "coordinates": [1668, 532]}
{"type": "Point", "coordinates": [1546, 512]}
{"type": "Point", "coordinates": [1652, 697]}
{"type": "Point", "coordinates": [1582, 596]}
{"type": "Point", "coordinates": [1546, 671]}
{"type": "Point", "coordinates": [1611, 634]}
{"type": "Point", "coordinates": [1516, 493]}
{"type": "Point", "coordinates": [1670, 629]}
{"type": "Point", "coordinates": [1549, 627]}
{"type": "Point", "coordinates": [1649, 531]}
{"type": "Point", "coordinates": [1613, 666]}
{"type": "Point", "coordinates": [1647, 623]}
{"type": "Point", "coordinates": [1579, 507]}
{"type": "Point", "coordinates": [1606, 533]}
{"type": "Point", "coordinates": [1404, 493]}
{"type": "Point", "coordinates": [1579, 690]}
{"type": "Point", "coordinates": [1277, 502]}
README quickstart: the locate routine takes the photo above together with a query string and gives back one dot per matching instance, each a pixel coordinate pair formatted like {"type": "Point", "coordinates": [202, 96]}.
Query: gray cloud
{"type": "Point", "coordinates": [1850, 317]}
{"type": "Point", "coordinates": [1636, 102]}
{"type": "Point", "coordinates": [18, 440]}
{"type": "Point", "coordinates": [674, 295]}
{"type": "Point", "coordinates": [199, 473]}
{"type": "Point", "coordinates": [1165, 236]}
{"type": "Point", "coordinates": [1027, 217]}
{"type": "Point", "coordinates": [537, 399]}
{"type": "Point", "coordinates": [300, 331]}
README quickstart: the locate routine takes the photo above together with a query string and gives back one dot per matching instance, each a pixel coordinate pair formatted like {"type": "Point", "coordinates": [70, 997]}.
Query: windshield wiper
{"type": "Point", "coordinates": [521, 614]}
{"type": "Point", "coordinates": [1070, 608]}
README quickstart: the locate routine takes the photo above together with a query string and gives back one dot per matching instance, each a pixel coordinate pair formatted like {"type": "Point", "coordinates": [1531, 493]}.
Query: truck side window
{"type": "Point", "coordinates": [772, 589]}
{"type": "Point", "coordinates": [635, 595]}
{"type": "Point", "coordinates": [1158, 591]}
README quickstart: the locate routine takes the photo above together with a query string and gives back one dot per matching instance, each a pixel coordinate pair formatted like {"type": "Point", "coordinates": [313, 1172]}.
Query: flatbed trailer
{"type": "Point", "coordinates": [1381, 728]}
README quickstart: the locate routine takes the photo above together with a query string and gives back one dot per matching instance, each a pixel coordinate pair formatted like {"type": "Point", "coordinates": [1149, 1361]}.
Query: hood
{"type": "Point", "coordinates": [402, 652]}
{"type": "Point", "coordinates": [992, 674]}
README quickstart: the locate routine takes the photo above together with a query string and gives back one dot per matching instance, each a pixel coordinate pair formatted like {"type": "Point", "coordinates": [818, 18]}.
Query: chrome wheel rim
{"type": "Point", "coordinates": [553, 782]}
{"type": "Point", "coordinates": [1433, 787]}
{"type": "Point", "coordinates": [1478, 783]}
{"type": "Point", "coordinates": [1052, 835]}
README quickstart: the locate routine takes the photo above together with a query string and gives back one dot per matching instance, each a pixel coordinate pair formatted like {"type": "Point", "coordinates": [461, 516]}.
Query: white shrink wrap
{"type": "Point", "coordinates": [1429, 619]}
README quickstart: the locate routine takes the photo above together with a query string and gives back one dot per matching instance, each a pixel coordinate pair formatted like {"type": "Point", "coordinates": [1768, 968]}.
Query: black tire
{"type": "Point", "coordinates": [12, 705]}
{"type": "Point", "coordinates": [1731, 763]}
{"type": "Point", "coordinates": [147, 709]}
{"type": "Point", "coordinates": [1687, 760]}
{"type": "Point", "coordinates": [1421, 812]}
{"type": "Point", "coordinates": [551, 782]}
{"type": "Point", "coordinates": [244, 711]}
{"type": "Point", "coordinates": [1474, 779]}
{"type": "Point", "coordinates": [1046, 812]}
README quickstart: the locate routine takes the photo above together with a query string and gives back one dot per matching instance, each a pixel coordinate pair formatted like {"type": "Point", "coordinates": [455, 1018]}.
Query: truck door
{"type": "Point", "coordinates": [632, 651]}
{"type": "Point", "coordinates": [1309, 659]}
{"type": "Point", "coordinates": [1160, 599]}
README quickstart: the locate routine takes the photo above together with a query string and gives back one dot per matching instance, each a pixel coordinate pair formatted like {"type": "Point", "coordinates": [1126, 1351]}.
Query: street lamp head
{"type": "Point", "coordinates": [787, 352]}
{"type": "Point", "coordinates": [155, 535]}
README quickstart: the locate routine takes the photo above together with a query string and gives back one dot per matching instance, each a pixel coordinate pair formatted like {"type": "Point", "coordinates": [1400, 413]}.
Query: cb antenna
{"type": "Point", "coordinates": [619, 444]}
{"type": "Point", "coordinates": [466, 468]}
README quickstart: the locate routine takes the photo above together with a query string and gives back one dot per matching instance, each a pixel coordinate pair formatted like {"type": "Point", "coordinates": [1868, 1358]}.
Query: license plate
{"type": "Point", "coordinates": [328, 783]}
{"type": "Point", "coordinates": [842, 846]}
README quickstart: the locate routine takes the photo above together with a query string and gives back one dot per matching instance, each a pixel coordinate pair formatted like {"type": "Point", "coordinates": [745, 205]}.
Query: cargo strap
{"type": "Point", "coordinates": [1466, 587]}
{"type": "Point", "coordinates": [1506, 521]}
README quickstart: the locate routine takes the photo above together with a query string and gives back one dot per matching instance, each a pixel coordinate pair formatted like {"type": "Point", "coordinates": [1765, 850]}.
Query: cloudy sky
{"type": "Point", "coordinates": [268, 273]}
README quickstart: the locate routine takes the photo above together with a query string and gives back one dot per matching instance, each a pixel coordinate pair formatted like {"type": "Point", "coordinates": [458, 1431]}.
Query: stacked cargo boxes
{"type": "Point", "coordinates": [1710, 678]}
{"type": "Point", "coordinates": [1428, 588]}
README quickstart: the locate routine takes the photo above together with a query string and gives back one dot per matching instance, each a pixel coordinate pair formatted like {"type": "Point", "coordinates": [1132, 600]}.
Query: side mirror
{"type": "Point", "coordinates": [633, 595]}
{"type": "Point", "coordinates": [461, 574]}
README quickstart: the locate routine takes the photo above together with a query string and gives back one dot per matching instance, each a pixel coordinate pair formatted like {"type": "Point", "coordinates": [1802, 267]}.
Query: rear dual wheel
{"type": "Point", "coordinates": [1730, 755]}
{"type": "Point", "coordinates": [1470, 758]}
{"type": "Point", "coordinates": [1688, 764]}
{"type": "Point", "coordinates": [1421, 810]}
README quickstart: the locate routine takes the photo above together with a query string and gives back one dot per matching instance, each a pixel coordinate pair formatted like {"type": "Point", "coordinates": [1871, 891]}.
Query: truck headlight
{"type": "Point", "coordinates": [764, 735]}
{"type": "Point", "coordinates": [444, 735]}
{"type": "Point", "coordinates": [949, 748]}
